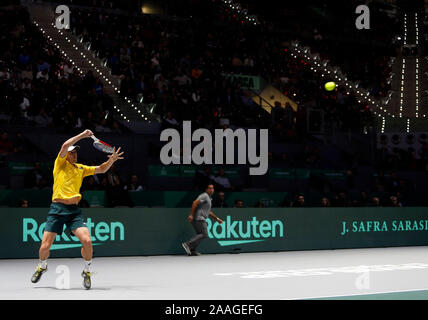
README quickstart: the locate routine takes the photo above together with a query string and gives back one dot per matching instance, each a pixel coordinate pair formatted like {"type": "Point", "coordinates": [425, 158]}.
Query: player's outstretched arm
{"type": "Point", "coordinates": [103, 168]}
{"type": "Point", "coordinates": [73, 140]}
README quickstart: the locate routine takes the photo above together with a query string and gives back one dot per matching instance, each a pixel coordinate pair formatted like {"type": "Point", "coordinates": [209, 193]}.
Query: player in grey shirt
{"type": "Point", "coordinates": [201, 210]}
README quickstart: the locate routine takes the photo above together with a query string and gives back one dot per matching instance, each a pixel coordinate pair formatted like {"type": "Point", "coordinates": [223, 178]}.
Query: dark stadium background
{"type": "Point", "coordinates": [170, 65]}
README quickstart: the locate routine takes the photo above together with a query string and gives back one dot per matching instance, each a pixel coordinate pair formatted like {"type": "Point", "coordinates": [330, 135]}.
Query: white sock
{"type": "Point", "coordinates": [43, 263]}
{"type": "Point", "coordinates": [87, 265]}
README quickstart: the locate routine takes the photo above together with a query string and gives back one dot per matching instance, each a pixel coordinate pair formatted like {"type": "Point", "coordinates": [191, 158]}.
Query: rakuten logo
{"type": "Point", "coordinates": [100, 232]}
{"type": "Point", "coordinates": [240, 232]}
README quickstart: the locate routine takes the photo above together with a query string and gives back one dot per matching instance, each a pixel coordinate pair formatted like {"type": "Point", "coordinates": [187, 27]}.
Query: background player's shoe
{"type": "Point", "coordinates": [187, 248]}
{"type": "Point", "coordinates": [195, 253]}
{"type": "Point", "coordinates": [86, 279]}
{"type": "Point", "coordinates": [38, 274]}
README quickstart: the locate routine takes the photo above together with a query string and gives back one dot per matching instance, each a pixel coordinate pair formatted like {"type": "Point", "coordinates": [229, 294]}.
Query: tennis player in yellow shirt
{"type": "Point", "coordinates": [68, 177]}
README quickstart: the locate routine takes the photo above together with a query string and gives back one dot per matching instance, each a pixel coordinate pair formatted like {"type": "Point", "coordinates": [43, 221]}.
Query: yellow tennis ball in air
{"type": "Point", "coordinates": [329, 86]}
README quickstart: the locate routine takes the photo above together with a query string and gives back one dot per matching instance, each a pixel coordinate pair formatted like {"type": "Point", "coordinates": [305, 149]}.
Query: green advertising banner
{"type": "Point", "coordinates": [128, 232]}
{"type": "Point", "coordinates": [229, 171]}
{"type": "Point", "coordinates": [298, 173]}
{"type": "Point", "coordinates": [330, 174]}
{"type": "Point", "coordinates": [20, 168]}
{"type": "Point", "coordinates": [188, 170]}
{"type": "Point", "coordinates": [164, 171]}
{"type": "Point", "coordinates": [168, 199]}
{"type": "Point", "coordinates": [36, 198]}
{"type": "Point", "coordinates": [244, 81]}
{"type": "Point", "coordinates": [250, 199]}
{"type": "Point", "coordinates": [282, 173]}
{"type": "Point", "coordinates": [95, 198]}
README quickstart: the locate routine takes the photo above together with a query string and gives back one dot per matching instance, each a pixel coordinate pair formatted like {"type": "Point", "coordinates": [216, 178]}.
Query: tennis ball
{"type": "Point", "coordinates": [329, 86]}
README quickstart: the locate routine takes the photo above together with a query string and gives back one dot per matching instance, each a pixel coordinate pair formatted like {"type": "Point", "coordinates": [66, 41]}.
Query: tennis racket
{"type": "Point", "coordinates": [101, 145]}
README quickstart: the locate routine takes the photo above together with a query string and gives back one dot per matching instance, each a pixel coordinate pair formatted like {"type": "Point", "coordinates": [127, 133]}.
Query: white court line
{"type": "Point", "coordinates": [358, 294]}
{"type": "Point", "coordinates": [326, 271]}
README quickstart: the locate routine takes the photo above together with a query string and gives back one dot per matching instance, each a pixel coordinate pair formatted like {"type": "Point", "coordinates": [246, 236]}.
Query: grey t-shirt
{"type": "Point", "coordinates": [204, 208]}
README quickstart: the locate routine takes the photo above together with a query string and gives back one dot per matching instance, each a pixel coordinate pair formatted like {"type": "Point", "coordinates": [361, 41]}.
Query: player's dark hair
{"type": "Point", "coordinates": [207, 185]}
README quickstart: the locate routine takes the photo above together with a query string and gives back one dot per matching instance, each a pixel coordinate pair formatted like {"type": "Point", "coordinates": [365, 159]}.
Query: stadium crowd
{"type": "Point", "coordinates": [40, 89]}
{"type": "Point", "coordinates": [179, 63]}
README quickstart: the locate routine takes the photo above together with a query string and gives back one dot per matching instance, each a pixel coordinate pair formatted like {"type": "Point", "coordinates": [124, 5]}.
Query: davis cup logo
{"type": "Point", "coordinates": [242, 232]}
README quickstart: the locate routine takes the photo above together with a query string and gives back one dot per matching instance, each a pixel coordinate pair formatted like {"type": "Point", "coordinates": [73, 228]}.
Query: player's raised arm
{"type": "Point", "coordinates": [73, 140]}
{"type": "Point", "coordinates": [116, 155]}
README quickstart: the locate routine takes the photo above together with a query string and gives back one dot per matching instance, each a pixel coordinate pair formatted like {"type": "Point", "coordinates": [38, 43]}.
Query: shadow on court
{"type": "Point", "coordinates": [82, 289]}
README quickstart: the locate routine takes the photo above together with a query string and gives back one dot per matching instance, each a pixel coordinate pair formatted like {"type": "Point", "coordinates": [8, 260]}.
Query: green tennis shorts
{"type": "Point", "coordinates": [62, 214]}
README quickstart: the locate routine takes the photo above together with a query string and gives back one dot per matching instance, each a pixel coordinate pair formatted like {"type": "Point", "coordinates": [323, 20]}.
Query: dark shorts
{"type": "Point", "coordinates": [61, 214]}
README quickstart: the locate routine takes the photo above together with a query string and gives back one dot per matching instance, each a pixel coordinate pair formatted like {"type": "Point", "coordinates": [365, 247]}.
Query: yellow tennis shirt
{"type": "Point", "coordinates": [68, 178]}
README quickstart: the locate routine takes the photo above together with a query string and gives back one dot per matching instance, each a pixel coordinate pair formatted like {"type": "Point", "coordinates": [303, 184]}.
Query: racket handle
{"type": "Point", "coordinates": [94, 138]}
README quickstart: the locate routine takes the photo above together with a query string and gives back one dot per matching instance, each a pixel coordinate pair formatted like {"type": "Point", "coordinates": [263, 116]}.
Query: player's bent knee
{"type": "Point", "coordinates": [45, 246]}
{"type": "Point", "coordinates": [86, 242]}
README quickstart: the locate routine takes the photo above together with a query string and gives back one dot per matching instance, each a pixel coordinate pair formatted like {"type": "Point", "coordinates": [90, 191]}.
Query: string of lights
{"type": "Point", "coordinates": [405, 29]}
{"type": "Point", "coordinates": [379, 109]}
{"type": "Point", "coordinates": [403, 69]}
{"type": "Point", "coordinates": [417, 70]}
{"type": "Point", "coordinates": [97, 66]}
{"type": "Point", "coordinates": [238, 13]}
{"type": "Point", "coordinates": [328, 71]}
{"type": "Point", "coordinates": [383, 125]}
